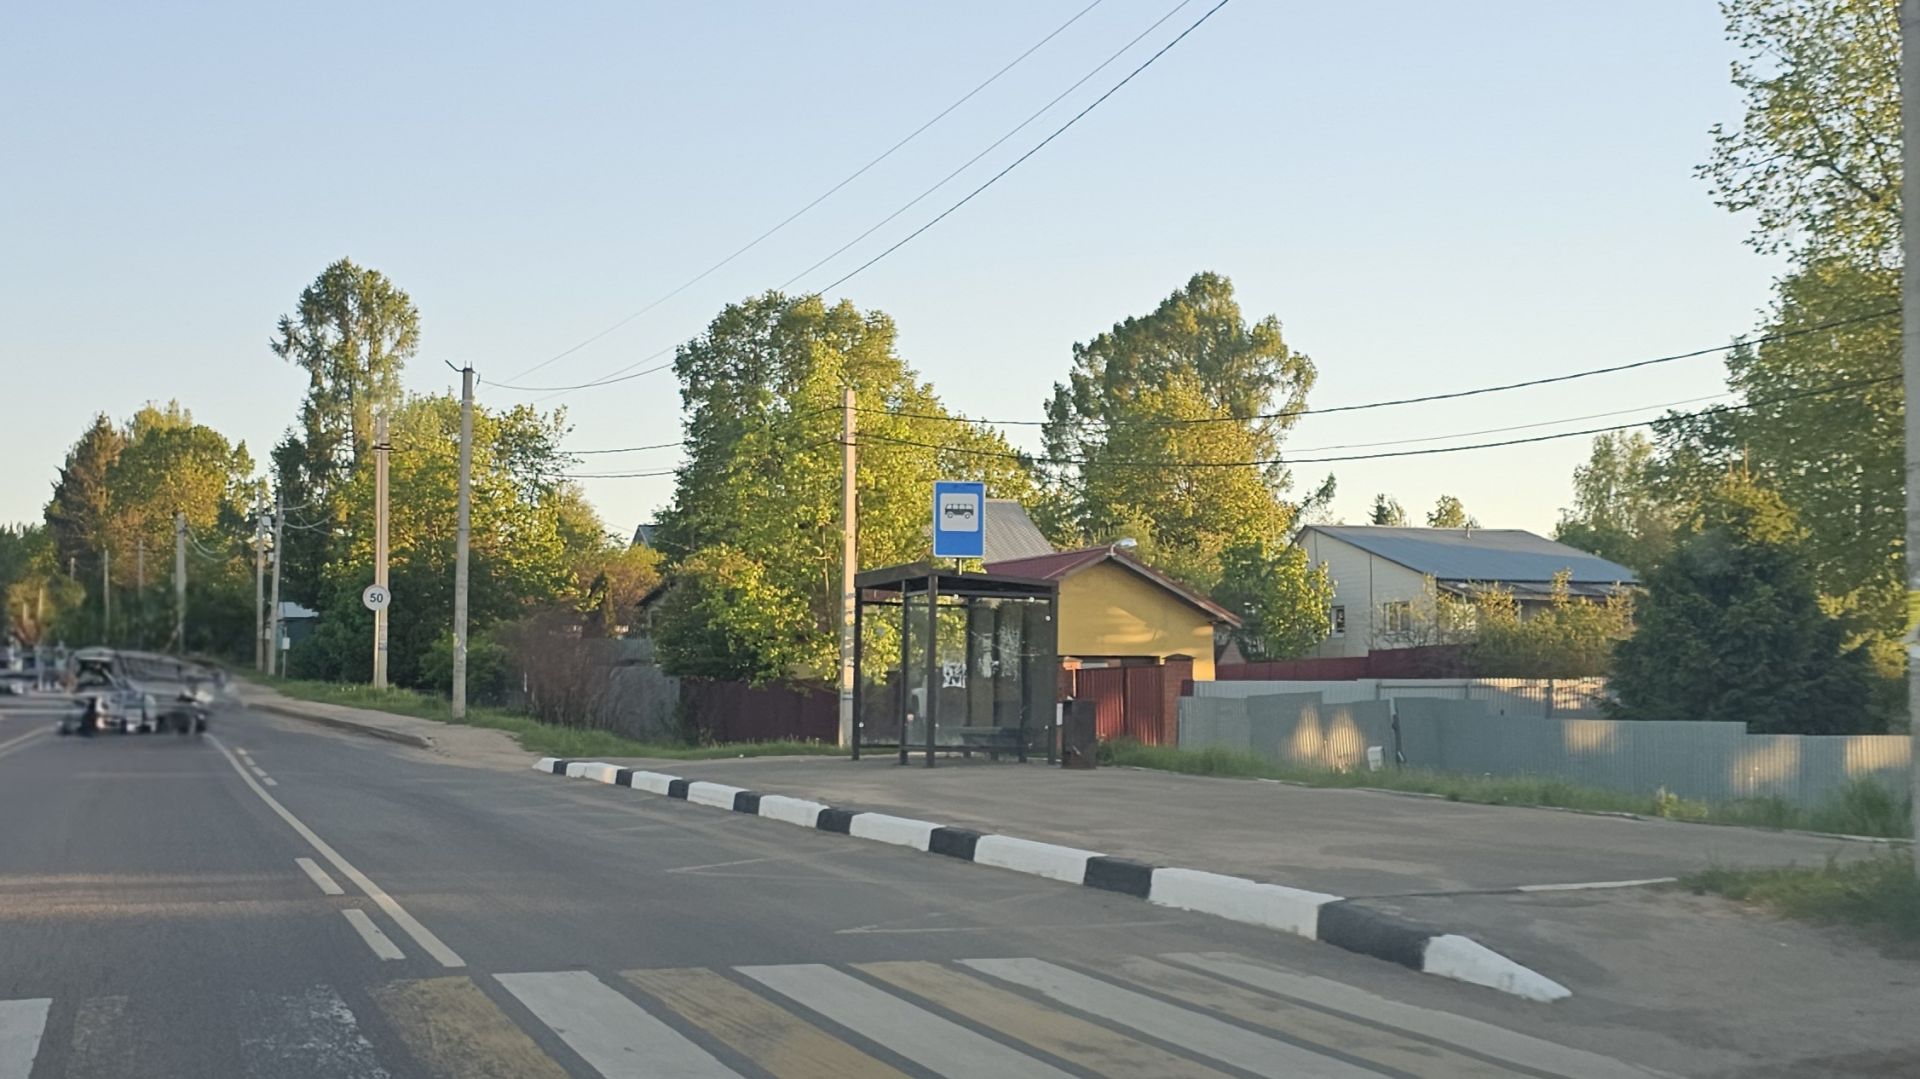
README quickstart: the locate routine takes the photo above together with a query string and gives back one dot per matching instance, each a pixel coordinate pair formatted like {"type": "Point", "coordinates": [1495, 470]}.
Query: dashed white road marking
{"type": "Point", "coordinates": [21, 1022]}
{"type": "Point", "coordinates": [270, 781]}
{"type": "Point", "coordinates": [256, 769]}
{"type": "Point", "coordinates": [618, 1037]}
{"type": "Point", "coordinates": [319, 875]}
{"type": "Point", "coordinates": [14, 743]}
{"type": "Point", "coordinates": [382, 946]}
{"type": "Point", "coordinates": [421, 935]}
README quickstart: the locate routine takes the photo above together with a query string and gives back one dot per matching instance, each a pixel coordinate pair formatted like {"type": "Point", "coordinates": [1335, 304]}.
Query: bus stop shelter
{"type": "Point", "coordinates": [951, 662]}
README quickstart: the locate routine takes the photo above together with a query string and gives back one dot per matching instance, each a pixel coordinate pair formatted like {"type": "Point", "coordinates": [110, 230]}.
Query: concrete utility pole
{"type": "Point", "coordinates": [1910, 364]}
{"type": "Point", "coordinates": [180, 583]}
{"type": "Point", "coordinates": [259, 585]}
{"type": "Point", "coordinates": [380, 547]}
{"type": "Point", "coordinates": [849, 563]}
{"type": "Point", "coordinates": [463, 523]}
{"type": "Point", "coordinates": [106, 594]}
{"type": "Point", "coordinates": [275, 663]}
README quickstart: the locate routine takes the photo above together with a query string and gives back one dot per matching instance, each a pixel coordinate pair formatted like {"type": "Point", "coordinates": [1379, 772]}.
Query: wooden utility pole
{"type": "Point", "coordinates": [463, 523]}
{"type": "Point", "coordinates": [380, 547]}
{"type": "Point", "coordinates": [180, 583]}
{"type": "Point", "coordinates": [276, 663]}
{"type": "Point", "coordinates": [849, 562]}
{"type": "Point", "coordinates": [1910, 365]}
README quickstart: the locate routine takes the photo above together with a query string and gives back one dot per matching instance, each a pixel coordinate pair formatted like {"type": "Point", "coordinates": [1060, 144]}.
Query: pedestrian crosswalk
{"type": "Point", "coordinates": [1203, 1016]}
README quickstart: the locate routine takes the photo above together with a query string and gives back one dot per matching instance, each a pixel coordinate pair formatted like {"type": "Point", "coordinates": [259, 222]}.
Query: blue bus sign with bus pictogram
{"type": "Point", "coordinates": [959, 519]}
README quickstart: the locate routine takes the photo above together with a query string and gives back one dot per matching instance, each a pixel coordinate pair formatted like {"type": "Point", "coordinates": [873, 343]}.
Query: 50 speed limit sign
{"type": "Point", "coordinates": [376, 598]}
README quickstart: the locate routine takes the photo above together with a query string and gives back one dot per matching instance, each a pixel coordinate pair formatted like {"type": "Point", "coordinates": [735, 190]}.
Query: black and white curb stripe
{"type": "Point", "coordinates": [1315, 915]}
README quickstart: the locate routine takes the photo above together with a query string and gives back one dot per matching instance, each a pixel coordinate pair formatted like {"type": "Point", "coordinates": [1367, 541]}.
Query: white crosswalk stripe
{"type": "Point", "coordinates": [21, 1022]}
{"type": "Point", "coordinates": [612, 1033]}
{"type": "Point", "coordinates": [1178, 1026]}
{"type": "Point", "coordinates": [919, 1035]}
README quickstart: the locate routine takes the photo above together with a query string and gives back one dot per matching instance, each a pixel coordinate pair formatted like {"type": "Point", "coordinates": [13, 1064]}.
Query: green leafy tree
{"type": "Point", "coordinates": [762, 389]}
{"type": "Point", "coordinates": [1284, 600]}
{"type": "Point", "coordinates": [1731, 629]}
{"type": "Point", "coordinates": [1816, 158]}
{"type": "Point", "coordinates": [1387, 511]}
{"type": "Point", "coordinates": [1193, 383]}
{"type": "Point", "coordinates": [1449, 512]}
{"type": "Point", "coordinates": [352, 332]}
{"type": "Point", "coordinates": [1619, 512]}
{"type": "Point", "coordinates": [1567, 637]}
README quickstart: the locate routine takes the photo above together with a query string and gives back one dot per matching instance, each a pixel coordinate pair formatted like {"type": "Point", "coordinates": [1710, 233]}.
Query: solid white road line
{"type": "Point", "coordinates": [944, 1047]}
{"type": "Point", "coordinates": [618, 1037]}
{"type": "Point", "coordinates": [1470, 1034]}
{"type": "Point", "coordinates": [369, 932]}
{"type": "Point", "coordinates": [421, 934]}
{"type": "Point", "coordinates": [319, 876]}
{"type": "Point", "coordinates": [1175, 1025]}
{"type": "Point", "coordinates": [305, 1034]}
{"type": "Point", "coordinates": [21, 1022]}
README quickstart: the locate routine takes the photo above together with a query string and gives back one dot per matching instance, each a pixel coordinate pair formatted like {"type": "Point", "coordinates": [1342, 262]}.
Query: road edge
{"type": "Point", "coordinates": [417, 741]}
{"type": "Point", "coordinates": [1336, 920]}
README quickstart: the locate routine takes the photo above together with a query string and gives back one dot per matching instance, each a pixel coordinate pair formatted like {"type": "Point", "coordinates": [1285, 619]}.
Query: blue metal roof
{"type": "Point", "coordinates": [1480, 554]}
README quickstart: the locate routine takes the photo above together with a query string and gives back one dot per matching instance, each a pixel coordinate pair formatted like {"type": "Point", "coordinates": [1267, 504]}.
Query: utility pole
{"type": "Point", "coordinates": [463, 527]}
{"type": "Point", "coordinates": [849, 562]}
{"type": "Point", "coordinates": [275, 661]}
{"type": "Point", "coordinates": [259, 585]}
{"type": "Point", "coordinates": [180, 583]}
{"type": "Point", "coordinates": [380, 546]}
{"type": "Point", "coordinates": [106, 593]}
{"type": "Point", "coordinates": [1910, 366]}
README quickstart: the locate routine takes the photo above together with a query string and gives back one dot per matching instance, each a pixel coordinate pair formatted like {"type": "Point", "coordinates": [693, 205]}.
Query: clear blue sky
{"type": "Point", "coordinates": [1429, 196]}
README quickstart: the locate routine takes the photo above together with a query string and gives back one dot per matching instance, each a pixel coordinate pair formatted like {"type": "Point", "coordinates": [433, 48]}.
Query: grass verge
{"type": "Point", "coordinates": [1863, 808]}
{"type": "Point", "coordinates": [1876, 895]}
{"type": "Point", "coordinates": [534, 736]}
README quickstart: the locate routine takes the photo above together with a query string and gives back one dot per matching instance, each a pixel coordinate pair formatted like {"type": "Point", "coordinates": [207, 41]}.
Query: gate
{"type": "Point", "coordinates": [1106, 687]}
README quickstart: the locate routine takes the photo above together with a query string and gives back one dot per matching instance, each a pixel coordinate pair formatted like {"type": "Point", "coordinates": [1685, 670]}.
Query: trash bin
{"type": "Point", "coordinates": [1078, 742]}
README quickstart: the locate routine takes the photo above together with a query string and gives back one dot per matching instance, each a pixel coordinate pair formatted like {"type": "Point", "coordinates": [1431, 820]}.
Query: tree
{"type": "Point", "coordinates": [1731, 629]}
{"type": "Point", "coordinates": [1816, 159]}
{"type": "Point", "coordinates": [1449, 512]}
{"type": "Point", "coordinates": [352, 332]}
{"type": "Point", "coordinates": [1567, 637]}
{"type": "Point", "coordinates": [1387, 511]}
{"type": "Point", "coordinates": [1618, 511]}
{"type": "Point", "coordinates": [762, 390]}
{"type": "Point", "coordinates": [1284, 600]}
{"type": "Point", "coordinates": [1171, 423]}
{"type": "Point", "coordinates": [80, 515]}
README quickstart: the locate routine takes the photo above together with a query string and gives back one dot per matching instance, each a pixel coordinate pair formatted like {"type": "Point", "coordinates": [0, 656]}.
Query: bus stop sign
{"type": "Point", "coordinates": [959, 519]}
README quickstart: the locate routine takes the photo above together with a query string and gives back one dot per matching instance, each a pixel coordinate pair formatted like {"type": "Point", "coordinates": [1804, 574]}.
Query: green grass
{"type": "Point", "coordinates": [534, 736]}
{"type": "Point", "coordinates": [1864, 808]}
{"type": "Point", "coordinates": [1877, 895]}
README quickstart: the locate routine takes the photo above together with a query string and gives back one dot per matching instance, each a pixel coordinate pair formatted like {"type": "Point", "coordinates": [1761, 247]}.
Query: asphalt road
{"type": "Point", "coordinates": [277, 901]}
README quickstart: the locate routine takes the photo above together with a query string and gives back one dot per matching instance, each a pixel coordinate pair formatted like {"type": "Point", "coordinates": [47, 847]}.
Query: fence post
{"type": "Point", "coordinates": [1552, 695]}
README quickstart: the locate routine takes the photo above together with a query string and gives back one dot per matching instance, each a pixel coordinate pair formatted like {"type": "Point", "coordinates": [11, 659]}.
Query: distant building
{"type": "Point", "coordinates": [1011, 534]}
{"type": "Point", "coordinates": [1380, 576]}
{"type": "Point", "coordinates": [643, 535]}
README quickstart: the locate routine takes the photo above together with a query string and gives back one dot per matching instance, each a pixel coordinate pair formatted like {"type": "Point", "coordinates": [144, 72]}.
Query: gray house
{"type": "Point", "coordinates": [1380, 576]}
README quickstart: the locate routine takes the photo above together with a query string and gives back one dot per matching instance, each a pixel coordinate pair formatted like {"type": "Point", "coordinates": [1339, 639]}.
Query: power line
{"type": "Point", "coordinates": [969, 163]}
{"type": "Point", "coordinates": [1057, 132]}
{"type": "Point", "coordinates": [628, 449]}
{"type": "Point", "coordinates": [1167, 463]}
{"type": "Point", "coordinates": [822, 197]}
{"type": "Point", "coordinates": [623, 374]}
{"type": "Point", "coordinates": [1425, 398]}
{"type": "Point", "coordinates": [1503, 430]}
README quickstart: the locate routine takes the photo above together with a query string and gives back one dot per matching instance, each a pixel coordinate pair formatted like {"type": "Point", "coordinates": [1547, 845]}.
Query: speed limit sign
{"type": "Point", "coordinates": [376, 598]}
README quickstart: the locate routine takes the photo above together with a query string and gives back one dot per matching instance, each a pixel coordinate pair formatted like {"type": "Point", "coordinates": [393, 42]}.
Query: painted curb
{"type": "Point", "coordinates": [1333, 919]}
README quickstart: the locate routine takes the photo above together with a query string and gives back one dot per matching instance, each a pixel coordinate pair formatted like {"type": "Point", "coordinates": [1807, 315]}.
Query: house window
{"type": "Point", "coordinates": [1398, 616]}
{"type": "Point", "coordinates": [1339, 627]}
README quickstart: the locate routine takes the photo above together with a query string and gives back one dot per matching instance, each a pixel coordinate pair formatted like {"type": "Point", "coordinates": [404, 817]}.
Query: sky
{"type": "Point", "coordinates": [1429, 197]}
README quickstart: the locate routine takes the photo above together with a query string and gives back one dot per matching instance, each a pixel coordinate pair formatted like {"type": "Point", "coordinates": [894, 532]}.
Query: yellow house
{"type": "Point", "coordinates": [1115, 610]}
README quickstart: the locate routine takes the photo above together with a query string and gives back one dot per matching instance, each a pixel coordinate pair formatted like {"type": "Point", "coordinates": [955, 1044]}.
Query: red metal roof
{"type": "Point", "coordinates": [1066, 563]}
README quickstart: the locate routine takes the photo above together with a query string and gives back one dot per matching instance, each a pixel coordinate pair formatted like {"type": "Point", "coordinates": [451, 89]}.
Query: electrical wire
{"type": "Point", "coordinates": [1123, 462]}
{"type": "Point", "coordinates": [1042, 144]}
{"type": "Point", "coordinates": [1503, 430]}
{"type": "Point", "coordinates": [1451, 395]}
{"type": "Point", "coordinates": [628, 449]}
{"type": "Point", "coordinates": [822, 197]}
{"type": "Point", "coordinates": [996, 144]}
